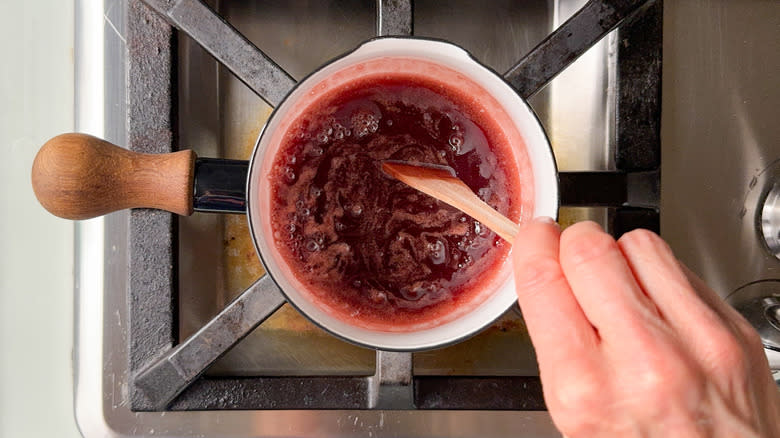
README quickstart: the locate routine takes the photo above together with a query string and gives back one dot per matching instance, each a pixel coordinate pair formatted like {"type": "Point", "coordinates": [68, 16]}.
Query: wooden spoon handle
{"type": "Point", "coordinates": [77, 176]}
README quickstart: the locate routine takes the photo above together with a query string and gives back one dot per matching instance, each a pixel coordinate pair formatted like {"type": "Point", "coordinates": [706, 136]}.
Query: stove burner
{"type": "Point", "coordinates": [168, 377]}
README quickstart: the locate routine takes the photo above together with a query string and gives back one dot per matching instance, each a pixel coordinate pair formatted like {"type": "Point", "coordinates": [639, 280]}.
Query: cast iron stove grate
{"type": "Point", "coordinates": [168, 376]}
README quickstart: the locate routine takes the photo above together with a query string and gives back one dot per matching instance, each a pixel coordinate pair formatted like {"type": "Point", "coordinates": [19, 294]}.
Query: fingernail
{"type": "Point", "coordinates": [545, 220]}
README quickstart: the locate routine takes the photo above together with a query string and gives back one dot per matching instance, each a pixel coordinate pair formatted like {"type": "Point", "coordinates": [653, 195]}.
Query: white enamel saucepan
{"type": "Point", "coordinates": [77, 177]}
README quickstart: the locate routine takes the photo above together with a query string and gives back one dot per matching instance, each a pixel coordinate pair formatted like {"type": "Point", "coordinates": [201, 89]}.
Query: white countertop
{"type": "Point", "coordinates": [36, 253]}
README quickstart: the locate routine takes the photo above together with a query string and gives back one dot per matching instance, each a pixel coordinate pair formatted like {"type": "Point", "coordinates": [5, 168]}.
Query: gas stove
{"type": "Point", "coordinates": [178, 333]}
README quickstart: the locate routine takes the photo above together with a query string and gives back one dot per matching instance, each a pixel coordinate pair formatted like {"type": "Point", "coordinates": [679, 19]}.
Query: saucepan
{"type": "Point", "coordinates": [76, 176]}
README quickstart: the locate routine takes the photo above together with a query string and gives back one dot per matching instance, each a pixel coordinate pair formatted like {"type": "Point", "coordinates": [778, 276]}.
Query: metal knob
{"type": "Point", "coordinates": [770, 220]}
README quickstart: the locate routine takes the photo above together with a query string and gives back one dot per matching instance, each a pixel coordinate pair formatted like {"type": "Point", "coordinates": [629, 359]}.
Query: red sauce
{"type": "Point", "coordinates": [374, 249]}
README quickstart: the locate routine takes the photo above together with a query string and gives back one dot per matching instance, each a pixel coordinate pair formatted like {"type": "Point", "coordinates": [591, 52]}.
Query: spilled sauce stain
{"type": "Point", "coordinates": [243, 267]}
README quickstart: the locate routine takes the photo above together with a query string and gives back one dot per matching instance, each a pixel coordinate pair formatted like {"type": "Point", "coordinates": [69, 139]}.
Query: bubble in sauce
{"type": "Point", "coordinates": [378, 296]}
{"type": "Point", "coordinates": [456, 141]}
{"type": "Point", "coordinates": [355, 210]}
{"type": "Point", "coordinates": [312, 245]}
{"type": "Point", "coordinates": [289, 175]}
{"type": "Point", "coordinates": [438, 252]}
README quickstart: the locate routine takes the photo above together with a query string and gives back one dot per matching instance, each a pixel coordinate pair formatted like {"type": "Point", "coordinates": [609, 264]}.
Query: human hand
{"type": "Point", "coordinates": [631, 343]}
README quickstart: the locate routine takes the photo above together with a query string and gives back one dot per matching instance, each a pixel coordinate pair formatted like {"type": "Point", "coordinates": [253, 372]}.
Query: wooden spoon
{"type": "Point", "coordinates": [441, 183]}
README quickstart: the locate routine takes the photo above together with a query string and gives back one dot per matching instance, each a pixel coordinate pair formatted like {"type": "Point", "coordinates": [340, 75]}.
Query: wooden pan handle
{"type": "Point", "coordinates": [77, 176]}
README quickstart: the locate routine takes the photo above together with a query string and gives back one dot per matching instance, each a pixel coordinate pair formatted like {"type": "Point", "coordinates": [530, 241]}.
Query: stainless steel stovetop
{"type": "Point", "coordinates": [720, 143]}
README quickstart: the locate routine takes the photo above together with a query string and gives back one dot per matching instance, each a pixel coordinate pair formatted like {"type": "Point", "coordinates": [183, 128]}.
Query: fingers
{"type": "Point", "coordinates": [691, 307]}
{"type": "Point", "coordinates": [725, 344]}
{"type": "Point", "coordinates": [556, 323]}
{"type": "Point", "coordinates": [603, 283]}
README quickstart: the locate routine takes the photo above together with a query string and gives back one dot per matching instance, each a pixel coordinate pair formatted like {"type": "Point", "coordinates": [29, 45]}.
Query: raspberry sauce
{"type": "Point", "coordinates": [373, 250]}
